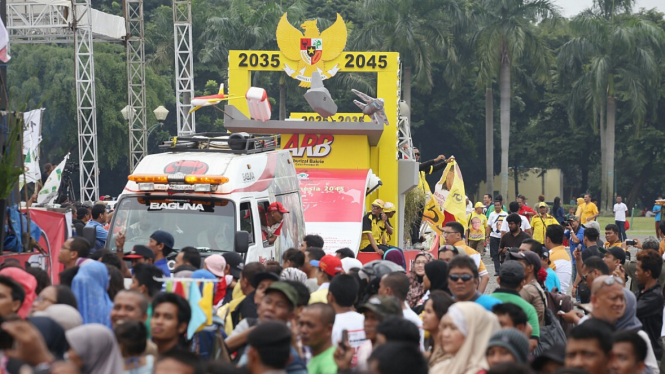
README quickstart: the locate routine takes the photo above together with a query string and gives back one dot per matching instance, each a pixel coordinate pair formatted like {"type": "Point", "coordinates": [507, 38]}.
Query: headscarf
{"type": "Point", "coordinates": [65, 315]}
{"type": "Point", "coordinates": [628, 321]}
{"type": "Point", "coordinates": [53, 333]}
{"type": "Point", "coordinates": [437, 272]}
{"type": "Point", "coordinates": [89, 287]}
{"type": "Point", "coordinates": [96, 346]}
{"type": "Point", "coordinates": [293, 274]}
{"type": "Point", "coordinates": [477, 325]}
{"type": "Point", "coordinates": [416, 290]}
{"type": "Point", "coordinates": [394, 255]}
{"type": "Point", "coordinates": [29, 284]}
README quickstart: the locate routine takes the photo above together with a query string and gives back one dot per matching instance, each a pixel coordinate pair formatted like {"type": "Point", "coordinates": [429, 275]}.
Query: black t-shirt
{"type": "Point", "coordinates": [508, 240]}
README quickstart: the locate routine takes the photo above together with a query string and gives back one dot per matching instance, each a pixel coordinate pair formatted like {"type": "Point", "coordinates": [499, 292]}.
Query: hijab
{"type": "Point", "coordinates": [394, 256]}
{"type": "Point", "coordinates": [629, 321]}
{"type": "Point", "coordinates": [89, 287]}
{"type": "Point", "coordinates": [477, 325]}
{"type": "Point", "coordinates": [29, 284]}
{"type": "Point", "coordinates": [53, 333]}
{"type": "Point", "coordinates": [416, 290]}
{"type": "Point", "coordinates": [65, 315]}
{"type": "Point", "coordinates": [437, 272]}
{"type": "Point", "coordinates": [96, 346]}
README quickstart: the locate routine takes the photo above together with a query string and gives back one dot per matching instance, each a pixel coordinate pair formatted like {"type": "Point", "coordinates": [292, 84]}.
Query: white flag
{"type": "Point", "coordinates": [50, 190]}
{"type": "Point", "coordinates": [31, 139]}
{"type": "Point", "coordinates": [4, 43]}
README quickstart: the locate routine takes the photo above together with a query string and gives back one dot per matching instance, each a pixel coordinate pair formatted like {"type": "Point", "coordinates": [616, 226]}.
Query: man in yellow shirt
{"type": "Point", "coordinates": [453, 235]}
{"type": "Point", "coordinates": [373, 229]}
{"type": "Point", "coordinates": [540, 222]}
{"type": "Point", "coordinates": [328, 267]}
{"type": "Point", "coordinates": [589, 210]}
{"type": "Point", "coordinates": [477, 231]}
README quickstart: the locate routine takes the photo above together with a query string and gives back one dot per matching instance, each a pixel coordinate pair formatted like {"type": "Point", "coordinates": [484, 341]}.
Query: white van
{"type": "Point", "coordinates": [212, 192]}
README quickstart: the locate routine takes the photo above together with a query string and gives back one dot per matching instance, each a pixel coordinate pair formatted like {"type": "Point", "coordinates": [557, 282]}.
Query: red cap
{"type": "Point", "coordinates": [330, 265]}
{"type": "Point", "coordinates": [277, 207]}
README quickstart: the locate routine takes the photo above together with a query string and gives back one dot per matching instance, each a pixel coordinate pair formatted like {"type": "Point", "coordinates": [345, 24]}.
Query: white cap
{"type": "Point", "coordinates": [351, 263]}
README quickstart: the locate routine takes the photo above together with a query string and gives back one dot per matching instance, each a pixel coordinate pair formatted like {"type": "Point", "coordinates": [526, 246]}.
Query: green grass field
{"type": "Point", "coordinates": [641, 226]}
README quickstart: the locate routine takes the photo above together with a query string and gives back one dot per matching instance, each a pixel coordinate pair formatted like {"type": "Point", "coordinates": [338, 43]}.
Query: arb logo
{"type": "Point", "coordinates": [311, 145]}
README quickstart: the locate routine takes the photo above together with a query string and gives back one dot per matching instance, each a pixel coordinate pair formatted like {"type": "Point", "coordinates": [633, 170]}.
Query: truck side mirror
{"type": "Point", "coordinates": [241, 244]}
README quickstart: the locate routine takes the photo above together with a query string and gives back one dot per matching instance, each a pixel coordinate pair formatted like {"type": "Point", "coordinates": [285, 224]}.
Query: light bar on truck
{"type": "Point", "coordinates": [178, 178]}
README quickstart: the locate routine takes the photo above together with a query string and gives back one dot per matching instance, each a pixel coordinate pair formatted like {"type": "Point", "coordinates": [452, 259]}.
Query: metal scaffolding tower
{"type": "Point", "coordinates": [184, 65]}
{"type": "Point", "coordinates": [53, 21]}
{"type": "Point", "coordinates": [86, 108]}
{"type": "Point", "coordinates": [136, 82]}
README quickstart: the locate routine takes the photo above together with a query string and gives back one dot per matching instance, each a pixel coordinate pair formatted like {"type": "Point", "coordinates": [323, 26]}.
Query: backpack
{"type": "Point", "coordinates": [209, 342]}
{"type": "Point", "coordinates": [556, 302]}
{"type": "Point", "coordinates": [551, 333]}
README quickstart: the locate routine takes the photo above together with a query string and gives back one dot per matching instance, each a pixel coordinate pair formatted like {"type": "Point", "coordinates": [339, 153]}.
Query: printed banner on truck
{"type": "Point", "coordinates": [333, 201]}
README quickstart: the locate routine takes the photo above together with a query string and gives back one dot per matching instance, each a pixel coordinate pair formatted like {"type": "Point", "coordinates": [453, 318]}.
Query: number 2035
{"type": "Point", "coordinates": [259, 59]}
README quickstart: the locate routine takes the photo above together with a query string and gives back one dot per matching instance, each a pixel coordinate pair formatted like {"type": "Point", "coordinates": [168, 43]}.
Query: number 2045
{"type": "Point", "coordinates": [361, 61]}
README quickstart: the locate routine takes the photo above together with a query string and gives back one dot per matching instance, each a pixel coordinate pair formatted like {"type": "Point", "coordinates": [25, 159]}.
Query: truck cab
{"type": "Point", "coordinates": [213, 192]}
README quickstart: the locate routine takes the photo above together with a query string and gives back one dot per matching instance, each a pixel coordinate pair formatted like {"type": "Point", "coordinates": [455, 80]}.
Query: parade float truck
{"type": "Point", "coordinates": [212, 192]}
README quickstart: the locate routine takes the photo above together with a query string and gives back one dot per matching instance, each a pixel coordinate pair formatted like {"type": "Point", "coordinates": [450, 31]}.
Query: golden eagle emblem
{"type": "Point", "coordinates": [310, 50]}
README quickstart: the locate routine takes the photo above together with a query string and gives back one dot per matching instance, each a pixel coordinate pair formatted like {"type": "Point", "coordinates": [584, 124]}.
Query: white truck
{"type": "Point", "coordinates": [212, 192]}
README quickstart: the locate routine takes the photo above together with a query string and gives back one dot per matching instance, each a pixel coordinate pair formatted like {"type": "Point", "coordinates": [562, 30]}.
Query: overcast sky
{"type": "Point", "coordinates": [571, 8]}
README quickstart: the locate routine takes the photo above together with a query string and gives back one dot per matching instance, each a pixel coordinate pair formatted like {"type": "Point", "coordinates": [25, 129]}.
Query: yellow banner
{"type": "Point", "coordinates": [455, 202]}
{"type": "Point", "coordinates": [434, 216]}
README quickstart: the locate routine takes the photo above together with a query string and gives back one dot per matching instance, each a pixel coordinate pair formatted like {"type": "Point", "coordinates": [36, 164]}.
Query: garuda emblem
{"type": "Point", "coordinates": [309, 52]}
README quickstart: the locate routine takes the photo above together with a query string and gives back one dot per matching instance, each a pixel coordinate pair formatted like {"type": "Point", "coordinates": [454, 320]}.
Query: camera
{"type": "Point", "coordinates": [631, 242]}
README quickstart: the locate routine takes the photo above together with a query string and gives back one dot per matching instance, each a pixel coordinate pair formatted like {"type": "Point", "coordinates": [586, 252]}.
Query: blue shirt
{"type": "Point", "coordinates": [487, 302]}
{"type": "Point", "coordinates": [580, 236]}
{"type": "Point", "coordinates": [164, 266]}
{"type": "Point", "coordinates": [656, 209]}
{"type": "Point", "coordinates": [100, 235]}
{"type": "Point", "coordinates": [552, 280]}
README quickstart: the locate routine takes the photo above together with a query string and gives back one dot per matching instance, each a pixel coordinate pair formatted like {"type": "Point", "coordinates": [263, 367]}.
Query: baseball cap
{"type": "Point", "coordinates": [382, 305]}
{"type": "Point", "coordinates": [329, 264]}
{"type": "Point", "coordinates": [592, 224]}
{"type": "Point", "coordinates": [512, 272]}
{"type": "Point", "coordinates": [349, 263]}
{"type": "Point", "coordinates": [235, 262]}
{"type": "Point", "coordinates": [479, 205]}
{"type": "Point", "coordinates": [556, 353]}
{"type": "Point", "coordinates": [216, 264]}
{"type": "Point", "coordinates": [542, 205]}
{"type": "Point", "coordinates": [163, 237]}
{"type": "Point", "coordinates": [277, 207]}
{"type": "Point", "coordinates": [378, 202]}
{"type": "Point", "coordinates": [388, 207]}
{"type": "Point", "coordinates": [286, 289]}
{"type": "Point", "coordinates": [139, 251]}
{"type": "Point", "coordinates": [618, 253]}
{"type": "Point", "coordinates": [259, 277]}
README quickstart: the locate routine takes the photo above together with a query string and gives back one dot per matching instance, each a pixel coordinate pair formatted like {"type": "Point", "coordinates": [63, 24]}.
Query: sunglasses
{"type": "Point", "coordinates": [464, 277]}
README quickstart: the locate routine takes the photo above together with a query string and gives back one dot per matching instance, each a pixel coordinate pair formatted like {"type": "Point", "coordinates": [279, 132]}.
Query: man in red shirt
{"type": "Point", "coordinates": [274, 220]}
{"type": "Point", "coordinates": [524, 209]}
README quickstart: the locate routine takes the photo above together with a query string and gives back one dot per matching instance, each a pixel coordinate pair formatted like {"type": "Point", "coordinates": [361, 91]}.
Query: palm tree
{"type": "Point", "coordinates": [506, 38]}
{"type": "Point", "coordinates": [614, 57]}
{"type": "Point", "coordinates": [417, 29]}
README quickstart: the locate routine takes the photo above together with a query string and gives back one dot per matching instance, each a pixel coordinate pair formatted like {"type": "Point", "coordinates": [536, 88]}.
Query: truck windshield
{"type": "Point", "coordinates": [204, 224]}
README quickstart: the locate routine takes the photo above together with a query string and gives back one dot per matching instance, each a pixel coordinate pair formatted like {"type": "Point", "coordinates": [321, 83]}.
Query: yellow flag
{"type": "Point", "coordinates": [455, 203]}
{"type": "Point", "coordinates": [206, 303]}
{"type": "Point", "coordinates": [433, 216]}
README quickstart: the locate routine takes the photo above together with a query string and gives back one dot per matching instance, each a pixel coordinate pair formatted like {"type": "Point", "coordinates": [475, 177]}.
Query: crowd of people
{"type": "Point", "coordinates": [324, 313]}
